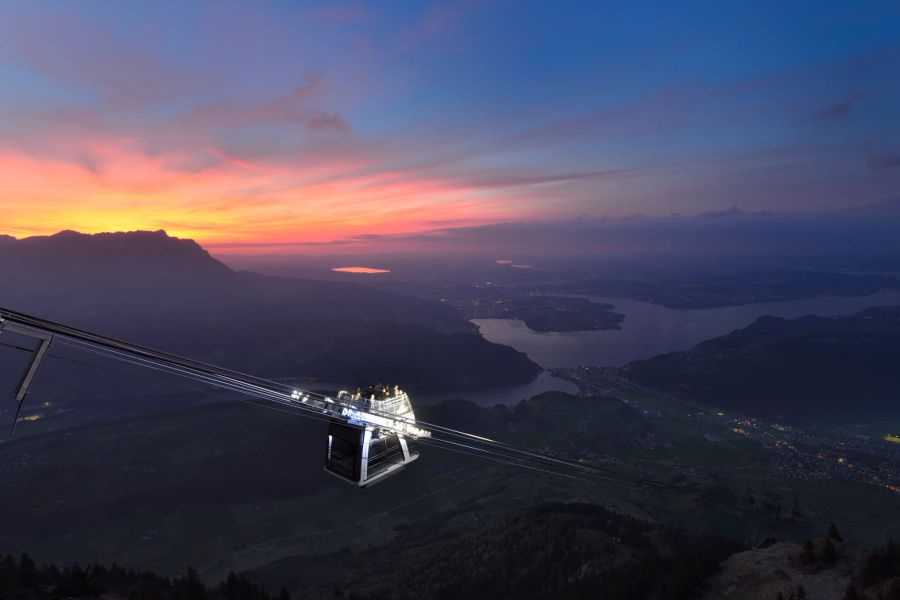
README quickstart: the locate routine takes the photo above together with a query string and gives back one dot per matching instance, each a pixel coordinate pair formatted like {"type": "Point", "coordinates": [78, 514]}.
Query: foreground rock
{"type": "Point", "coordinates": [786, 570]}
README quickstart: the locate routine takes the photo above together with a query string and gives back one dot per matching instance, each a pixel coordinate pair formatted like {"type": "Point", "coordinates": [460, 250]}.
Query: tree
{"type": "Point", "coordinates": [27, 571]}
{"type": "Point", "coordinates": [74, 582]}
{"type": "Point", "coordinates": [190, 587]}
{"type": "Point", "coordinates": [834, 534]}
{"type": "Point", "coordinates": [796, 512]}
{"type": "Point", "coordinates": [9, 573]}
{"type": "Point", "coordinates": [852, 593]}
{"type": "Point", "coordinates": [829, 554]}
{"type": "Point", "coordinates": [283, 595]}
{"type": "Point", "coordinates": [808, 555]}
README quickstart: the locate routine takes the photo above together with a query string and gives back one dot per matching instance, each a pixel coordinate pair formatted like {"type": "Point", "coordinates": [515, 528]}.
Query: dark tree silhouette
{"type": "Point", "coordinates": [834, 534]}
{"type": "Point", "coordinates": [24, 580]}
{"type": "Point", "coordinates": [829, 553]}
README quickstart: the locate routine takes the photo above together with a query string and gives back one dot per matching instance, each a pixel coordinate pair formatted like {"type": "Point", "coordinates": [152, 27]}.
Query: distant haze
{"type": "Point", "coordinates": [868, 231]}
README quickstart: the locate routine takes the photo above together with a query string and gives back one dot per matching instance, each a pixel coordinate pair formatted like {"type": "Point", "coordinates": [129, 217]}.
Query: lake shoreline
{"type": "Point", "coordinates": [652, 329]}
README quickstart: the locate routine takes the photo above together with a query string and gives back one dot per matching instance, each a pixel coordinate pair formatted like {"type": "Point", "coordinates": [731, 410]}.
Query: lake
{"type": "Point", "coordinates": [651, 329]}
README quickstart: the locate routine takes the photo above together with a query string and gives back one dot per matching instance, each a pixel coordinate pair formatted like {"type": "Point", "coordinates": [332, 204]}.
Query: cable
{"type": "Point", "coordinates": [605, 477]}
{"type": "Point", "coordinates": [282, 394]}
{"type": "Point", "coordinates": [519, 457]}
{"type": "Point", "coordinates": [322, 407]}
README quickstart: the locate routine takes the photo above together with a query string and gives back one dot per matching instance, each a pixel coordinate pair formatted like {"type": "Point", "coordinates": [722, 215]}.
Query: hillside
{"type": "Point", "coordinates": [807, 370]}
{"type": "Point", "coordinates": [228, 487]}
{"type": "Point", "coordinates": [169, 293]}
{"type": "Point", "coordinates": [821, 568]}
{"type": "Point", "coordinates": [546, 551]}
{"type": "Point", "coordinates": [553, 550]}
{"type": "Point", "coordinates": [552, 420]}
{"type": "Point", "coordinates": [225, 486]}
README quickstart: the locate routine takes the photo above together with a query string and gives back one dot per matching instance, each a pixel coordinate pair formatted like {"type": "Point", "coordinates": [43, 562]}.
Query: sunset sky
{"type": "Point", "coordinates": [247, 125]}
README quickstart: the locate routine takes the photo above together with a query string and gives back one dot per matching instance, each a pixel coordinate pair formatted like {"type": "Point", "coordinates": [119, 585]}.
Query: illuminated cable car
{"type": "Point", "coordinates": [370, 436]}
{"type": "Point", "coordinates": [374, 437]}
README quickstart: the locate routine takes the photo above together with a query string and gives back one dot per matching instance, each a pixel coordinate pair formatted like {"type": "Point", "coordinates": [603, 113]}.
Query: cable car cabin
{"type": "Point", "coordinates": [375, 436]}
{"type": "Point", "coordinates": [370, 436]}
{"type": "Point", "coordinates": [363, 456]}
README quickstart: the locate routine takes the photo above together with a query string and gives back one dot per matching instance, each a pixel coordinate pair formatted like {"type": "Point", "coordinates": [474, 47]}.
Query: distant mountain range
{"type": "Point", "coordinates": [810, 369]}
{"type": "Point", "coordinates": [171, 294]}
{"type": "Point", "coordinates": [675, 288]}
{"type": "Point", "coordinates": [858, 236]}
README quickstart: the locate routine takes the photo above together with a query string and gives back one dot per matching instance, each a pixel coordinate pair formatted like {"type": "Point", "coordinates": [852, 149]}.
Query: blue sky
{"type": "Point", "coordinates": [287, 121]}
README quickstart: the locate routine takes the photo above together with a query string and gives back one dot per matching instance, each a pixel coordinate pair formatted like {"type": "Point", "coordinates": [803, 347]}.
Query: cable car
{"type": "Point", "coordinates": [370, 436]}
{"type": "Point", "coordinates": [374, 437]}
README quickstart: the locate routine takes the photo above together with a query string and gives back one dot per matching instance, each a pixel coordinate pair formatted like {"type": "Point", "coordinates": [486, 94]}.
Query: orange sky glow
{"type": "Point", "coordinates": [241, 204]}
{"type": "Point", "coordinates": [296, 128]}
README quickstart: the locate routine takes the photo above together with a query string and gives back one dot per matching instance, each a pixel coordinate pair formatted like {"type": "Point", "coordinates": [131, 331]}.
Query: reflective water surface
{"type": "Point", "coordinates": [651, 329]}
{"type": "Point", "coordinates": [360, 270]}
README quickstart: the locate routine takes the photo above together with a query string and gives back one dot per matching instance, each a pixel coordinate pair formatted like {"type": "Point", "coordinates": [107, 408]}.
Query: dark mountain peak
{"type": "Point", "coordinates": [71, 272]}
{"type": "Point", "coordinates": [159, 235]}
{"type": "Point", "coordinates": [734, 211]}
{"type": "Point", "coordinates": [67, 234]}
{"type": "Point", "coordinates": [809, 369]}
{"type": "Point", "coordinates": [158, 239]}
{"type": "Point", "coordinates": [764, 328]}
{"type": "Point", "coordinates": [881, 313]}
{"type": "Point", "coordinates": [169, 293]}
{"type": "Point", "coordinates": [148, 251]}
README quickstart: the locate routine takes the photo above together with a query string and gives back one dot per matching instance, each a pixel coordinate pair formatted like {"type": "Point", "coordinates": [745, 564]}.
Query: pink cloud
{"type": "Point", "coordinates": [337, 13]}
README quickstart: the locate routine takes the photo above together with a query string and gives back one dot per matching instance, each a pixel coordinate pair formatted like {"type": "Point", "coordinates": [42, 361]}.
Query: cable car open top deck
{"type": "Point", "coordinates": [375, 438]}
{"type": "Point", "coordinates": [370, 436]}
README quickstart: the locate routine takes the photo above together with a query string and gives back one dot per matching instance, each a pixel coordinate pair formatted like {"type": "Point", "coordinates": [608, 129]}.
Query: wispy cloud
{"type": "Point", "coordinates": [884, 160]}
{"type": "Point", "coordinates": [337, 13]}
{"type": "Point", "coordinates": [307, 124]}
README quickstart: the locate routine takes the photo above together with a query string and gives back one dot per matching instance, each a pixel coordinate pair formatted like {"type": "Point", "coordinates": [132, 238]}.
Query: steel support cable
{"type": "Point", "coordinates": [542, 460]}
{"type": "Point", "coordinates": [436, 443]}
{"type": "Point", "coordinates": [226, 380]}
{"type": "Point", "coordinates": [586, 480]}
{"type": "Point", "coordinates": [248, 388]}
{"type": "Point", "coordinates": [112, 345]}
{"type": "Point", "coordinates": [84, 339]}
{"type": "Point", "coordinates": [606, 477]}
{"type": "Point", "coordinates": [514, 463]}
{"type": "Point", "coordinates": [517, 454]}
{"type": "Point", "coordinates": [159, 360]}
{"type": "Point", "coordinates": [174, 387]}
{"type": "Point", "coordinates": [212, 378]}
{"type": "Point", "coordinates": [74, 334]}
{"type": "Point", "coordinates": [16, 347]}
{"type": "Point", "coordinates": [247, 384]}
{"type": "Point", "coordinates": [530, 461]}
{"type": "Point", "coordinates": [224, 383]}
{"type": "Point", "coordinates": [209, 378]}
